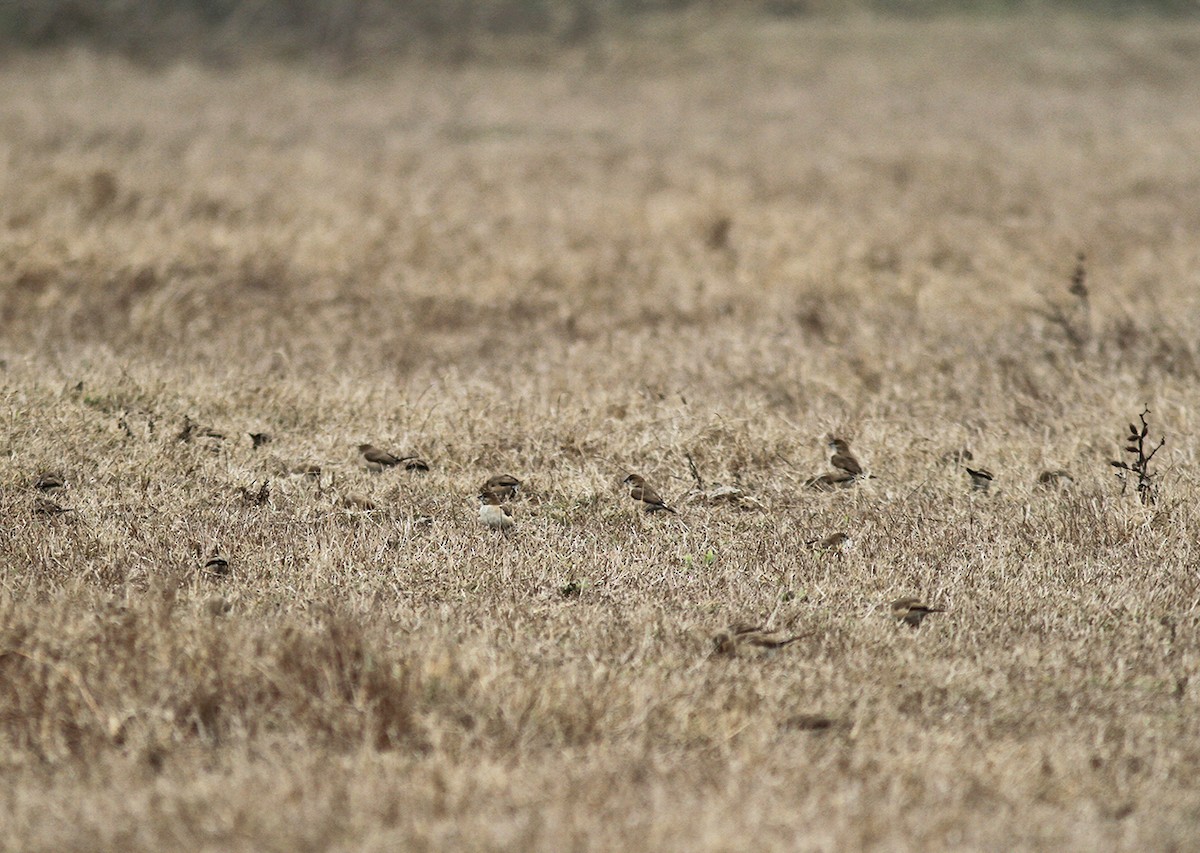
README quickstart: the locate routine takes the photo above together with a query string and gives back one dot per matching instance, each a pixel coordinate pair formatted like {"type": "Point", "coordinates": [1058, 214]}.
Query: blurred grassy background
{"type": "Point", "coordinates": [350, 30]}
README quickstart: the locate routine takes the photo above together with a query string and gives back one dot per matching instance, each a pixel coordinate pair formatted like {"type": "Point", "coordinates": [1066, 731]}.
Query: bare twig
{"type": "Point", "coordinates": [695, 473]}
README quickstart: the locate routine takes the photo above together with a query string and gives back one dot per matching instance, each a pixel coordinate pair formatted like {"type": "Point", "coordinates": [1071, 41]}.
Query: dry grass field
{"type": "Point", "coordinates": [716, 240]}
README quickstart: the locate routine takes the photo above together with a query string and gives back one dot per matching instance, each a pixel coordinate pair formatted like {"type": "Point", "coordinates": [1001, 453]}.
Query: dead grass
{"type": "Point", "coordinates": [525, 270]}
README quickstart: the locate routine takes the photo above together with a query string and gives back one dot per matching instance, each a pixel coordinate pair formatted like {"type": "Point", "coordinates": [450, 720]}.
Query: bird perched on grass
{"type": "Point", "coordinates": [644, 495]}
{"type": "Point", "coordinates": [1057, 478]}
{"type": "Point", "coordinates": [49, 481]}
{"type": "Point", "coordinates": [742, 635]}
{"type": "Point", "coordinates": [833, 542]}
{"type": "Point", "coordinates": [911, 611]}
{"type": "Point", "coordinates": [828, 482]}
{"type": "Point", "coordinates": [504, 486]}
{"type": "Point", "coordinates": [354, 502]}
{"type": "Point", "coordinates": [45, 506]}
{"type": "Point", "coordinates": [842, 458]}
{"type": "Point", "coordinates": [493, 514]}
{"type": "Point", "coordinates": [191, 430]}
{"type": "Point", "coordinates": [376, 459]}
{"type": "Point", "coordinates": [981, 479]}
{"type": "Point", "coordinates": [217, 565]}
{"type": "Point", "coordinates": [258, 439]}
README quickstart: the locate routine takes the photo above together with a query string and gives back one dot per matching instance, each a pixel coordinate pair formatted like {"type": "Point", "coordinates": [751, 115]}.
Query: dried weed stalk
{"type": "Point", "coordinates": [1074, 321]}
{"type": "Point", "coordinates": [1147, 489]}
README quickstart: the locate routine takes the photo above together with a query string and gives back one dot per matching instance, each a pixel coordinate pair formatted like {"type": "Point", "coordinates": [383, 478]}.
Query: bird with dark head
{"type": "Point", "coordinates": [504, 486]}
{"type": "Point", "coordinates": [912, 611]}
{"type": "Point", "coordinates": [644, 495]}
{"type": "Point", "coordinates": [842, 458]}
{"type": "Point", "coordinates": [981, 479]}
{"type": "Point", "coordinates": [217, 564]}
{"type": "Point", "coordinates": [48, 481]}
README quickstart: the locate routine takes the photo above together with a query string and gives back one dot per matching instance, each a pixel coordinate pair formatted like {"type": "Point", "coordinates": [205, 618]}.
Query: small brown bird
{"type": "Point", "coordinates": [258, 439]}
{"type": "Point", "coordinates": [356, 503]}
{"type": "Point", "coordinates": [1055, 479]}
{"type": "Point", "coordinates": [49, 481]}
{"type": "Point", "coordinates": [45, 506]}
{"type": "Point", "coordinates": [911, 611]}
{"type": "Point", "coordinates": [809, 722]}
{"type": "Point", "coordinates": [718, 233]}
{"type": "Point", "coordinates": [842, 458]}
{"type": "Point", "coordinates": [981, 480]}
{"type": "Point", "coordinates": [192, 430]}
{"type": "Point", "coordinates": [376, 459]}
{"type": "Point", "coordinates": [493, 514]}
{"type": "Point", "coordinates": [829, 482]}
{"type": "Point", "coordinates": [504, 486]}
{"type": "Point", "coordinates": [644, 495]}
{"type": "Point", "coordinates": [256, 497]}
{"type": "Point", "coordinates": [958, 457]}
{"type": "Point", "coordinates": [833, 542]}
{"type": "Point", "coordinates": [741, 635]}
{"type": "Point", "coordinates": [217, 565]}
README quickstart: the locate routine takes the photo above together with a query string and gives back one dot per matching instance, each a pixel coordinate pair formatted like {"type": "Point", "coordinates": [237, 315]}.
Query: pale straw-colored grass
{"type": "Point", "coordinates": [522, 269]}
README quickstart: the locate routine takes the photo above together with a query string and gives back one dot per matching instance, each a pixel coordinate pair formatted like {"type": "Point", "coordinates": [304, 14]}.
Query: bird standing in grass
{"type": "Point", "coordinates": [827, 482]}
{"type": "Point", "coordinates": [258, 439]}
{"type": "Point", "coordinates": [833, 542]}
{"type": "Point", "coordinates": [1057, 478]}
{"type": "Point", "coordinates": [644, 495]}
{"type": "Point", "coordinates": [981, 479]}
{"type": "Point", "coordinates": [354, 502]}
{"type": "Point", "coordinates": [493, 514]}
{"type": "Point", "coordinates": [504, 486]}
{"type": "Point", "coordinates": [376, 459]}
{"type": "Point", "coordinates": [49, 481]}
{"type": "Point", "coordinates": [217, 565]}
{"type": "Point", "coordinates": [741, 635]}
{"type": "Point", "coordinates": [45, 506]}
{"type": "Point", "coordinates": [911, 611]}
{"type": "Point", "coordinates": [842, 458]}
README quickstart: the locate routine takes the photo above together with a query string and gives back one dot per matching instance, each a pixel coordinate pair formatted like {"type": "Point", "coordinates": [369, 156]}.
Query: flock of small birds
{"type": "Point", "coordinates": [847, 470]}
{"type": "Point", "coordinates": [497, 492]}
